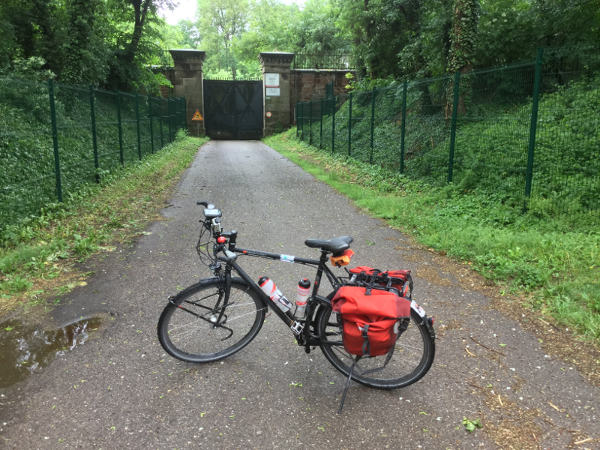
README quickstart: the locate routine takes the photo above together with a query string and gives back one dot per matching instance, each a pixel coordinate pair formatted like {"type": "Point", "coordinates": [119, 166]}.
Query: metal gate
{"type": "Point", "coordinates": [233, 109]}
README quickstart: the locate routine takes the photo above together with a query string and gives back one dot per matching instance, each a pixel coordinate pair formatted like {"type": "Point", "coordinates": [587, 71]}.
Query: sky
{"type": "Point", "coordinates": [187, 10]}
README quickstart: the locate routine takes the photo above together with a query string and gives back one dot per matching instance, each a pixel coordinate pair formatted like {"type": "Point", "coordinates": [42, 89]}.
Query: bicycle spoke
{"type": "Point", "coordinates": [411, 359]}
{"type": "Point", "coordinates": [188, 327]}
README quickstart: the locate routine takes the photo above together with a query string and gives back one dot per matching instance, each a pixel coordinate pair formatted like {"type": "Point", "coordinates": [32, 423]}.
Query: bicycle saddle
{"type": "Point", "coordinates": [334, 245]}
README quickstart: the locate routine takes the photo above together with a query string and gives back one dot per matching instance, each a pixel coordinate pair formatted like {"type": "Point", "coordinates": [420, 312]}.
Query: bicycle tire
{"type": "Point", "coordinates": [412, 357]}
{"type": "Point", "coordinates": [186, 328]}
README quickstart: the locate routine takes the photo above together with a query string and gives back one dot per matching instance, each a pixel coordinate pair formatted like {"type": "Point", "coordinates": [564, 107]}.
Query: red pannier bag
{"type": "Point", "coordinates": [397, 279]}
{"type": "Point", "coordinates": [370, 319]}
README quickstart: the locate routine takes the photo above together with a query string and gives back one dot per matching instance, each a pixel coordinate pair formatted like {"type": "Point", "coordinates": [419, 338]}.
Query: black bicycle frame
{"type": "Point", "coordinates": [320, 264]}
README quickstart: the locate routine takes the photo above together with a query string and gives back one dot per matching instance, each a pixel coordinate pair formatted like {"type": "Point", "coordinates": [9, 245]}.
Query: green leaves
{"type": "Point", "coordinates": [471, 425]}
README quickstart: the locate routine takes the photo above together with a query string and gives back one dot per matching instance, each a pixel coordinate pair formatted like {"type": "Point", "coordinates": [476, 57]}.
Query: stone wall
{"type": "Point", "coordinates": [186, 78]}
{"type": "Point", "coordinates": [277, 101]}
{"type": "Point", "coordinates": [296, 85]}
{"type": "Point", "coordinates": [309, 84]}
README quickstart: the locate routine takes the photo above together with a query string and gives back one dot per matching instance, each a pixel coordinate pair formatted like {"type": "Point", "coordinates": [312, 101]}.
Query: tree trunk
{"type": "Point", "coordinates": [462, 43]}
{"type": "Point", "coordinates": [140, 8]}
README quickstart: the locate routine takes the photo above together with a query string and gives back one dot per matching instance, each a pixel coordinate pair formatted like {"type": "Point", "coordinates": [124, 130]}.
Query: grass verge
{"type": "Point", "coordinates": [549, 261]}
{"type": "Point", "coordinates": [37, 256]}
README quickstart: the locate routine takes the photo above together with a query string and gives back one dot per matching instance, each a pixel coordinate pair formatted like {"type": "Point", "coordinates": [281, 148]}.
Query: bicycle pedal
{"type": "Point", "coordinates": [297, 328]}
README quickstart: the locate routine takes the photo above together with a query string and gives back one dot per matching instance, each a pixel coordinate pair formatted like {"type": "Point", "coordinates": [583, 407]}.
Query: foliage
{"type": "Point", "coordinates": [549, 261]}
{"type": "Point", "coordinates": [463, 35]}
{"type": "Point", "coordinates": [271, 27]}
{"type": "Point", "coordinates": [412, 39]}
{"type": "Point", "coordinates": [471, 425]}
{"type": "Point", "coordinates": [111, 43]}
{"type": "Point", "coordinates": [27, 162]}
{"type": "Point", "coordinates": [491, 141]}
{"type": "Point", "coordinates": [226, 20]}
{"type": "Point", "coordinates": [234, 33]}
{"type": "Point", "coordinates": [99, 42]}
{"type": "Point", "coordinates": [41, 251]}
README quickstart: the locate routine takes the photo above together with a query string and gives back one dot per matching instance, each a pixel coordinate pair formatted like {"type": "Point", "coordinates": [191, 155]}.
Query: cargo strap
{"type": "Point", "coordinates": [366, 350]}
{"type": "Point", "coordinates": [402, 328]}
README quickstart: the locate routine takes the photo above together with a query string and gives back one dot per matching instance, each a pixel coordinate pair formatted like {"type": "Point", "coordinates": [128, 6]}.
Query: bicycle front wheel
{"type": "Point", "coordinates": [412, 357]}
{"type": "Point", "coordinates": [197, 326]}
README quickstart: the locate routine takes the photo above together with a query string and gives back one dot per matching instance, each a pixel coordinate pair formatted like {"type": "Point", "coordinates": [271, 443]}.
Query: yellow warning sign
{"type": "Point", "coordinates": [197, 115]}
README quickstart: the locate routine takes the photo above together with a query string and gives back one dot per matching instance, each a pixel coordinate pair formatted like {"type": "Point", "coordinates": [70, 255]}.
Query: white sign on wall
{"type": "Point", "coordinates": [272, 92]}
{"type": "Point", "coordinates": [271, 80]}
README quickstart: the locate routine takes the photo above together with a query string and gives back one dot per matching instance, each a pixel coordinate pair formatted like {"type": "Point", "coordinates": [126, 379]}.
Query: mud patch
{"type": "Point", "coordinates": [26, 349]}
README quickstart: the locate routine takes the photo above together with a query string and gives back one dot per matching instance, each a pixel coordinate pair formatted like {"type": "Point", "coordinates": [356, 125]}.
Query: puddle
{"type": "Point", "coordinates": [25, 349]}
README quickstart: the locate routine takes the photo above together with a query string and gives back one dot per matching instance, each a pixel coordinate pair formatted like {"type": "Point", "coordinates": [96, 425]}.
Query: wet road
{"type": "Point", "coordinates": [121, 390]}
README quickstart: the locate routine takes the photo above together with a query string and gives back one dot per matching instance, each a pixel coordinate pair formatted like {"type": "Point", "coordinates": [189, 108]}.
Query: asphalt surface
{"type": "Point", "coordinates": [121, 390]}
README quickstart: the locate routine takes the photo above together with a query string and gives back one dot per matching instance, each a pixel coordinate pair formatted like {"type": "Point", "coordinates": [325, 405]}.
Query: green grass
{"type": "Point", "coordinates": [37, 255]}
{"type": "Point", "coordinates": [553, 261]}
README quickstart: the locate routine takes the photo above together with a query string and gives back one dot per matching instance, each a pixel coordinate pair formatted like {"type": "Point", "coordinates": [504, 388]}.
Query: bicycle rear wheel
{"type": "Point", "coordinates": [196, 326]}
{"type": "Point", "coordinates": [412, 357]}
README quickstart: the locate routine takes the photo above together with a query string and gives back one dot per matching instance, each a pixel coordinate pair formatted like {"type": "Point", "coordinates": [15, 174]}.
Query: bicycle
{"type": "Point", "coordinates": [218, 316]}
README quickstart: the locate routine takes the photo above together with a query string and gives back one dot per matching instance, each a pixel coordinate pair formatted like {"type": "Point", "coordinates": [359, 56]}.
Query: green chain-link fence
{"type": "Point", "coordinates": [54, 138]}
{"type": "Point", "coordinates": [526, 134]}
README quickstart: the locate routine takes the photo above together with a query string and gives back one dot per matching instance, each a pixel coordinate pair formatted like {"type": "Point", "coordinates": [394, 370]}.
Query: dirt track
{"type": "Point", "coordinates": [120, 389]}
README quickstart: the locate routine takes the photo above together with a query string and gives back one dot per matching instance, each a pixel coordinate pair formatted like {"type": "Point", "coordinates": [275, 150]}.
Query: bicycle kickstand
{"type": "Point", "coordinates": [347, 386]}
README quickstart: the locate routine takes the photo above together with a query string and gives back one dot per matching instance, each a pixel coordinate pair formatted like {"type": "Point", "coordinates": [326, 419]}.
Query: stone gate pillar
{"type": "Point", "coordinates": [276, 90]}
{"type": "Point", "coordinates": [187, 82]}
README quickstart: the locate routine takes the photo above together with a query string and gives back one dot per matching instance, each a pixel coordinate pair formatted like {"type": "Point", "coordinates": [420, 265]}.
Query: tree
{"type": "Point", "coordinates": [272, 26]}
{"type": "Point", "coordinates": [134, 41]}
{"type": "Point", "coordinates": [463, 36]}
{"type": "Point", "coordinates": [85, 53]}
{"type": "Point", "coordinates": [317, 31]}
{"type": "Point", "coordinates": [381, 32]}
{"type": "Point", "coordinates": [462, 45]}
{"type": "Point", "coordinates": [227, 19]}
{"type": "Point", "coordinates": [191, 36]}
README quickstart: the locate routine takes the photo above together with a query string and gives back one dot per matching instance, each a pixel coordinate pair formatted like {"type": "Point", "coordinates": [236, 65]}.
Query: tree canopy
{"type": "Point", "coordinates": [113, 42]}
{"type": "Point", "coordinates": [101, 42]}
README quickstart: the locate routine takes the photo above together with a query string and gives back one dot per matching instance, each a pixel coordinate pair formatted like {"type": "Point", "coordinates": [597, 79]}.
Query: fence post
{"type": "Point", "coordinates": [160, 121]}
{"type": "Point", "coordinates": [453, 125]}
{"type": "Point", "coordinates": [170, 118]}
{"type": "Point", "coordinates": [302, 130]}
{"type": "Point", "coordinates": [333, 124]}
{"type": "Point", "coordinates": [297, 120]}
{"type": "Point", "coordinates": [403, 129]}
{"type": "Point", "coordinates": [94, 136]}
{"type": "Point", "coordinates": [321, 124]}
{"type": "Point", "coordinates": [184, 113]}
{"type": "Point", "coordinates": [350, 126]}
{"type": "Point", "coordinates": [120, 125]}
{"type": "Point", "coordinates": [310, 115]}
{"type": "Point", "coordinates": [137, 121]}
{"type": "Point", "coordinates": [151, 127]}
{"type": "Point", "coordinates": [372, 123]}
{"type": "Point", "coordinates": [533, 126]}
{"type": "Point", "coordinates": [55, 140]}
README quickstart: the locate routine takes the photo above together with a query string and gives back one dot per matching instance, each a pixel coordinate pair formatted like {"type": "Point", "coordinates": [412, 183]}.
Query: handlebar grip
{"type": "Point", "coordinates": [206, 205]}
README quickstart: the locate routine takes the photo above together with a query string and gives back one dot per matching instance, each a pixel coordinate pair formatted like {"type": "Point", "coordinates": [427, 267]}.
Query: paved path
{"type": "Point", "coordinates": [121, 390]}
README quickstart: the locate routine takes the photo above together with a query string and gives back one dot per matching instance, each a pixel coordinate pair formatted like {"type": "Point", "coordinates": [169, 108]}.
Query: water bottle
{"type": "Point", "coordinates": [268, 287]}
{"type": "Point", "coordinates": [302, 296]}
